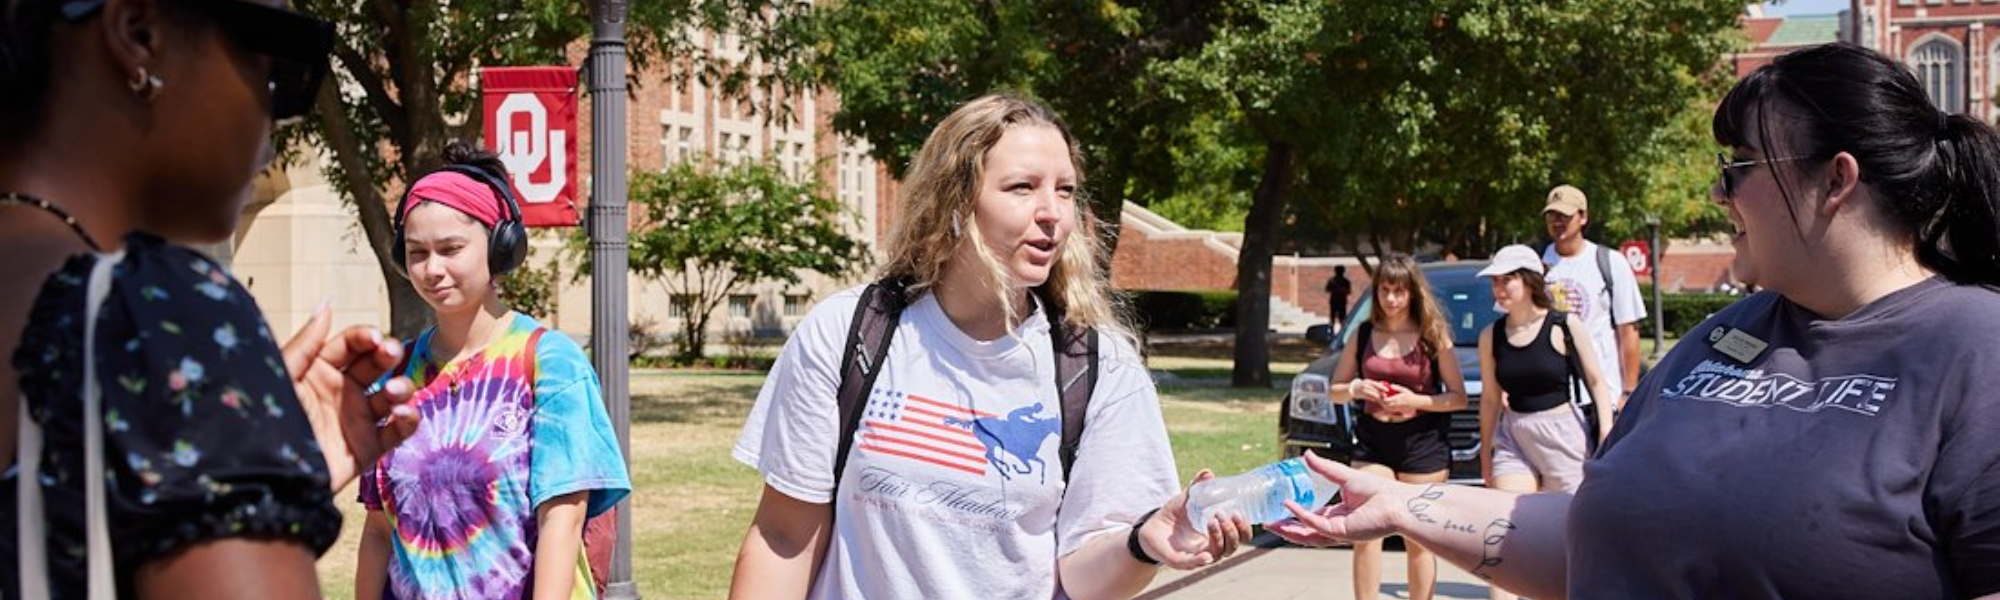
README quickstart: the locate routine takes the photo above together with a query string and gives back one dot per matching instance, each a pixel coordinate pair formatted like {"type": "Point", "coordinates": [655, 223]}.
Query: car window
{"type": "Point", "coordinates": [1467, 304]}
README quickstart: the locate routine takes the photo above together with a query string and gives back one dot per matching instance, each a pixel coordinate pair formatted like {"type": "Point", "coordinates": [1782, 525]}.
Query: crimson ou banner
{"type": "Point", "coordinates": [531, 124]}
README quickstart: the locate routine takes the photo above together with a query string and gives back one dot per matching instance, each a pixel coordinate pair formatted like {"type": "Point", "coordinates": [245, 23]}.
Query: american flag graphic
{"type": "Point", "coordinates": [916, 428]}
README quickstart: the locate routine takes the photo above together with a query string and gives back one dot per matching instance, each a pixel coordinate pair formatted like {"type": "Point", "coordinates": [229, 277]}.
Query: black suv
{"type": "Point", "coordinates": [1309, 421]}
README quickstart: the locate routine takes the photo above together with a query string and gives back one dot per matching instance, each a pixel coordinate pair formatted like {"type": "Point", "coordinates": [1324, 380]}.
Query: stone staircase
{"type": "Point", "coordinates": [1289, 318]}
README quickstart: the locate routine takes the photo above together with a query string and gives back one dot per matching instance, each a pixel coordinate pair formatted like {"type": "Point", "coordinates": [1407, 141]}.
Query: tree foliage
{"type": "Point", "coordinates": [706, 230]}
{"type": "Point", "coordinates": [901, 66]}
{"type": "Point", "coordinates": [1461, 114]}
{"type": "Point", "coordinates": [403, 82]}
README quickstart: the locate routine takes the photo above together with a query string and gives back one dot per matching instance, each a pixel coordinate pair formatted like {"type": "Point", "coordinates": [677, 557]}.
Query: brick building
{"type": "Point", "coordinates": [1953, 45]}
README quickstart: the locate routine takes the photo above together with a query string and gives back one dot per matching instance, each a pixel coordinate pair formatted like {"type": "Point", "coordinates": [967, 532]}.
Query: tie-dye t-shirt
{"type": "Point", "coordinates": [460, 495]}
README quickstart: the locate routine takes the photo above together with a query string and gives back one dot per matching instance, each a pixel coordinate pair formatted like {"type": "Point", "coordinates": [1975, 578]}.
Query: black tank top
{"type": "Point", "coordinates": [1535, 377]}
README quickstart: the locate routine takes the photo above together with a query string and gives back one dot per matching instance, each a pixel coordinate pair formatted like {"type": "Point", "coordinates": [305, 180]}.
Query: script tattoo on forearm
{"type": "Point", "coordinates": [1420, 506]}
{"type": "Point", "coordinates": [1489, 548]}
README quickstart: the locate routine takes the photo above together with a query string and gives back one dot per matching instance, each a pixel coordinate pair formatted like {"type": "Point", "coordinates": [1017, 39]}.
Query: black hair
{"type": "Point", "coordinates": [26, 27]}
{"type": "Point", "coordinates": [28, 61]}
{"type": "Point", "coordinates": [1936, 174]}
{"type": "Point", "coordinates": [461, 152]}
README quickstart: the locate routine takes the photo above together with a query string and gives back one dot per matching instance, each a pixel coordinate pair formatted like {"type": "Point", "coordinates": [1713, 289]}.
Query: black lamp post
{"type": "Point", "coordinates": [609, 343]}
{"type": "Point", "coordinates": [1659, 312]}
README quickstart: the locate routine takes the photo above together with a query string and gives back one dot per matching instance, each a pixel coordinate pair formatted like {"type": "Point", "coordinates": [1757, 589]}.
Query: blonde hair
{"type": "Point", "coordinates": [935, 216]}
{"type": "Point", "coordinates": [1402, 270]}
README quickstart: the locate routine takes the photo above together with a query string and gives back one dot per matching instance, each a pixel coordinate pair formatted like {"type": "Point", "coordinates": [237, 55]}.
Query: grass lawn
{"type": "Point", "coordinates": [692, 501]}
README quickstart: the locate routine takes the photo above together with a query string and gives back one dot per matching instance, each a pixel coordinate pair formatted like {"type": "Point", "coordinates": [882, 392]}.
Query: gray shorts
{"type": "Point", "coordinates": [1549, 445]}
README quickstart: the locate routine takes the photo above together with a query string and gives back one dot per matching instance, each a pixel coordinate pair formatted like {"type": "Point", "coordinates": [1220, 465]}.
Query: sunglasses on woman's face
{"type": "Point", "coordinates": [1728, 169]}
{"type": "Point", "coordinates": [298, 45]}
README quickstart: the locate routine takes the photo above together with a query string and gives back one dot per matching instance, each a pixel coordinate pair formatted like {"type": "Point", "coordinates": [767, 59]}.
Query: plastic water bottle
{"type": "Point", "coordinates": [1260, 494]}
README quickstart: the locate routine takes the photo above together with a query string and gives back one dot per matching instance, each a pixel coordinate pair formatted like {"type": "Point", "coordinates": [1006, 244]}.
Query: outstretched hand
{"type": "Point", "coordinates": [330, 375]}
{"type": "Point", "coordinates": [1366, 510]}
{"type": "Point", "coordinates": [1175, 542]}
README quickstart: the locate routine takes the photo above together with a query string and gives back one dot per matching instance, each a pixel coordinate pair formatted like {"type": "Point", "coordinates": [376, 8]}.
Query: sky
{"type": "Point", "coordinates": [1805, 7]}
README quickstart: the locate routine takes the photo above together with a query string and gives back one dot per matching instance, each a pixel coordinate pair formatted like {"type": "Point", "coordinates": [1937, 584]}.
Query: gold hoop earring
{"type": "Point", "coordinates": [145, 85]}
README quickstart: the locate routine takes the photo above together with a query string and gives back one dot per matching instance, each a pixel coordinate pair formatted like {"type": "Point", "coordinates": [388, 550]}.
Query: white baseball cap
{"type": "Point", "coordinates": [1513, 258]}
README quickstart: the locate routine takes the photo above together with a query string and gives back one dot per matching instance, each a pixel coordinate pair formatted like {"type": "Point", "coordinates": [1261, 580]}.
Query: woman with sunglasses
{"type": "Point", "coordinates": [489, 499]}
{"type": "Point", "coordinates": [1830, 437]}
{"type": "Point", "coordinates": [130, 126]}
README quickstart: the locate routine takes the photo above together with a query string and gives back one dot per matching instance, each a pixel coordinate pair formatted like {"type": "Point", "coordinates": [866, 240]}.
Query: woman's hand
{"type": "Point", "coordinates": [330, 375]}
{"type": "Point", "coordinates": [1367, 509]}
{"type": "Point", "coordinates": [1363, 389]}
{"type": "Point", "coordinates": [1398, 403]}
{"type": "Point", "coordinates": [1169, 538]}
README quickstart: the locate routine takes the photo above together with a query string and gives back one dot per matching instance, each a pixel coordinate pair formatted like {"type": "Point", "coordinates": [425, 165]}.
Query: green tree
{"type": "Point", "coordinates": [403, 84]}
{"type": "Point", "coordinates": [900, 66]}
{"type": "Point", "coordinates": [1465, 112]}
{"type": "Point", "coordinates": [1263, 67]}
{"type": "Point", "coordinates": [704, 231]}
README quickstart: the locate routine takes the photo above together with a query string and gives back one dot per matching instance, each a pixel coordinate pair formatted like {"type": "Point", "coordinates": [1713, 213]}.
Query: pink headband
{"type": "Point", "coordinates": [458, 191]}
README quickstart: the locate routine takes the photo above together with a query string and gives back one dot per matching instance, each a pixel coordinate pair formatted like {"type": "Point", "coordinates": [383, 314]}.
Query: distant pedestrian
{"type": "Point", "coordinates": [1338, 288]}
{"type": "Point", "coordinates": [1596, 285]}
{"type": "Point", "coordinates": [489, 499]}
{"type": "Point", "coordinates": [1402, 371]}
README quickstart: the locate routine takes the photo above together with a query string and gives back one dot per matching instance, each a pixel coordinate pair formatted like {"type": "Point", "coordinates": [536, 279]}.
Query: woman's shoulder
{"type": "Point", "coordinates": [552, 343]}
{"type": "Point", "coordinates": [174, 288]}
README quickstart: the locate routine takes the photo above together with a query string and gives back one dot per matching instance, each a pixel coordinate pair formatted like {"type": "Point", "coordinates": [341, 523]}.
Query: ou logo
{"type": "Point", "coordinates": [525, 150]}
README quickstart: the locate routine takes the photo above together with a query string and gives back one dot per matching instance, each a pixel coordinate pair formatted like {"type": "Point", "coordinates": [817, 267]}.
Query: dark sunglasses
{"type": "Point", "coordinates": [297, 44]}
{"type": "Point", "coordinates": [1727, 174]}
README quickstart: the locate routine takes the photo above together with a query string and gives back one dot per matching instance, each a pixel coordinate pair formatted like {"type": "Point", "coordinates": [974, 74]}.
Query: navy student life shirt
{"type": "Point", "coordinates": [1856, 457]}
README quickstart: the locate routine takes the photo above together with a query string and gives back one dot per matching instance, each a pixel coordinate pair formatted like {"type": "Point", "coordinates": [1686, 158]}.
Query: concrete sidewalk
{"type": "Point", "coordinates": [1277, 572]}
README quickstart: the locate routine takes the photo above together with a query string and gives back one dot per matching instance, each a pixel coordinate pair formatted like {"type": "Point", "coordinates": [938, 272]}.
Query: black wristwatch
{"type": "Point", "coordinates": [1132, 540]}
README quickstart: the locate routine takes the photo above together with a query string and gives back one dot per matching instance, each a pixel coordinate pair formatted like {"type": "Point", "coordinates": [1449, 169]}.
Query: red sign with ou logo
{"type": "Point", "coordinates": [1640, 255]}
{"type": "Point", "coordinates": [531, 123]}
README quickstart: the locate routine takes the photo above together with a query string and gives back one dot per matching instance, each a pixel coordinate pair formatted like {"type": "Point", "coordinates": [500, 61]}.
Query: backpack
{"type": "Point", "coordinates": [600, 533]}
{"type": "Point", "coordinates": [874, 326]}
{"type": "Point", "coordinates": [1583, 401]}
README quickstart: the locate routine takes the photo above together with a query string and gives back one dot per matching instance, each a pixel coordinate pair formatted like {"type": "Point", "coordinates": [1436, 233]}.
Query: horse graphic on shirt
{"type": "Point", "coordinates": [1020, 435]}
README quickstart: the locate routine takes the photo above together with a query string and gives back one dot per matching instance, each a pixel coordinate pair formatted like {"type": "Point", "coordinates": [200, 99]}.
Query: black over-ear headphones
{"type": "Point", "coordinates": [507, 242]}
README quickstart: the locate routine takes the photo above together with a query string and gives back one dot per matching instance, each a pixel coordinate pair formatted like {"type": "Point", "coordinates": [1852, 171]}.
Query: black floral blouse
{"type": "Point", "coordinates": [205, 438]}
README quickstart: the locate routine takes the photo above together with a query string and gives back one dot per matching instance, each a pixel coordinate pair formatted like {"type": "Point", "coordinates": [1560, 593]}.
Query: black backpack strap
{"type": "Point", "coordinates": [1579, 398]}
{"type": "Point", "coordinates": [1610, 285]}
{"type": "Point", "coordinates": [1076, 378]}
{"type": "Point", "coordinates": [868, 337]}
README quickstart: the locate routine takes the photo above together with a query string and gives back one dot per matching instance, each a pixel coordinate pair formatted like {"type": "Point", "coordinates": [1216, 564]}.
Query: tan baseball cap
{"type": "Point", "coordinates": [1568, 200]}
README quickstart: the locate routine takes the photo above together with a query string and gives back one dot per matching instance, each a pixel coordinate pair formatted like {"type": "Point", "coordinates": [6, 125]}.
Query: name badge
{"type": "Point", "coordinates": [1737, 345]}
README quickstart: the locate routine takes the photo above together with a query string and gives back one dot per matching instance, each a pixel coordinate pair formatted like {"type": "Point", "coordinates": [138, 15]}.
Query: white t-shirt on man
{"type": "Point", "coordinates": [953, 488]}
{"type": "Point", "coordinates": [1577, 286]}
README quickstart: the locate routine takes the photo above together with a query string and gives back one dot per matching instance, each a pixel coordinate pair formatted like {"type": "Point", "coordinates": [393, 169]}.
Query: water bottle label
{"type": "Point", "coordinates": [1294, 471]}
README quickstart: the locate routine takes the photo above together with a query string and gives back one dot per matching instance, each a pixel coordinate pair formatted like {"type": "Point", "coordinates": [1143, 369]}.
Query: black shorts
{"type": "Point", "coordinates": [1415, 446]}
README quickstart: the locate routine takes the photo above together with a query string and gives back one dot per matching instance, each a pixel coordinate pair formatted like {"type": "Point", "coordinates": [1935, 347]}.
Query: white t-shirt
{"type": "Point", "coordinates": [934, 506]}
{"type": "Point", "coordinates": [1577, 286]}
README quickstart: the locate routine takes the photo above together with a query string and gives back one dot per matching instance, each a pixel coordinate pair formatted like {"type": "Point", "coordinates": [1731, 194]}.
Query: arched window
{"type": "Point", "coordinates": [1941, 68]}
{"type": "Point", "coordinates": [1993, 83]}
